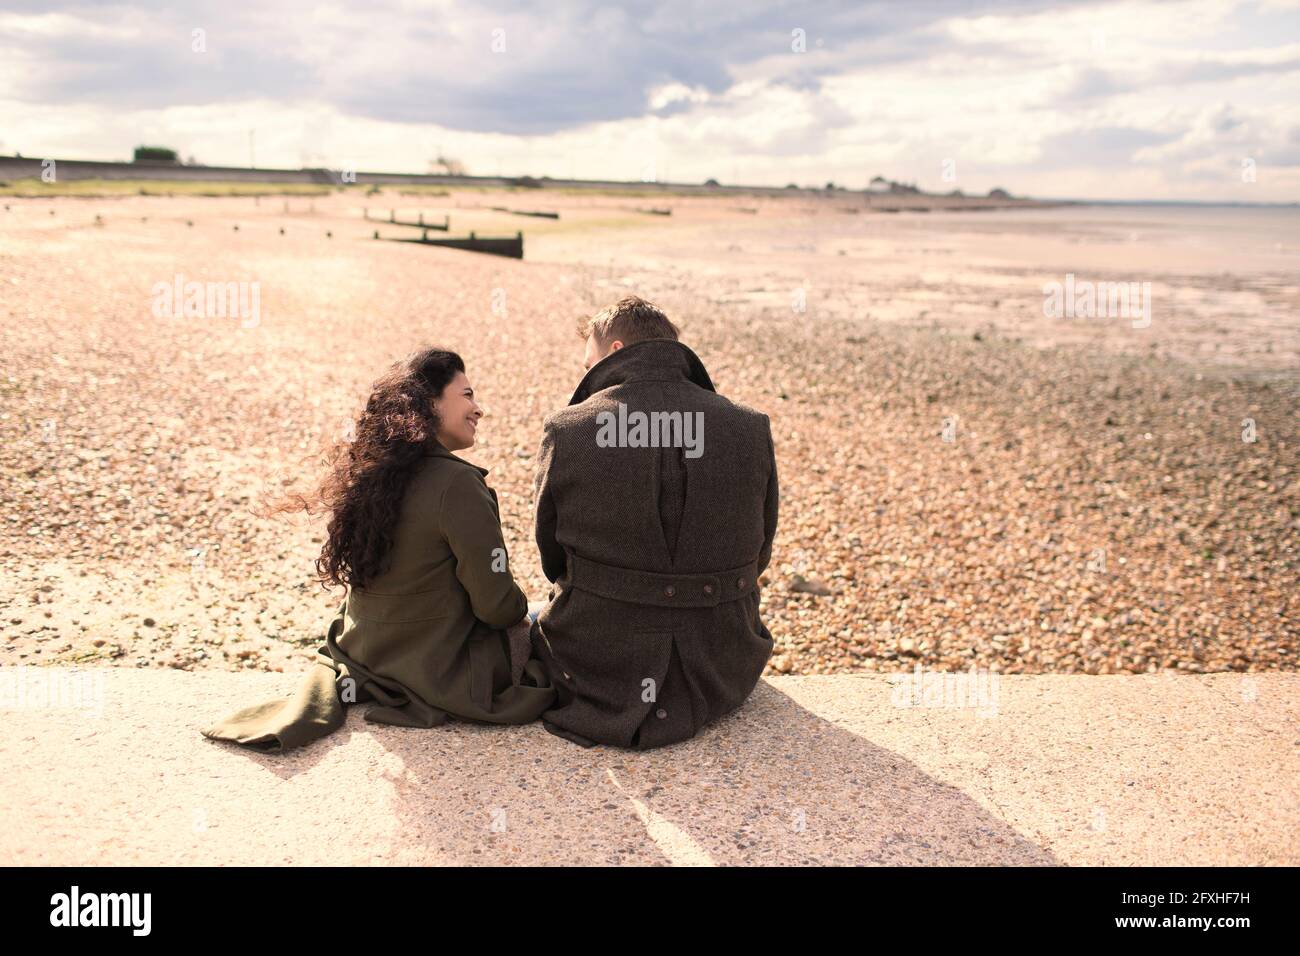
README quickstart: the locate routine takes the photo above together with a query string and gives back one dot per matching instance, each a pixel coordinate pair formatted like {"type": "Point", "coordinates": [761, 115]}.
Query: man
{"type": "Point", "coordinates": [656, 511]}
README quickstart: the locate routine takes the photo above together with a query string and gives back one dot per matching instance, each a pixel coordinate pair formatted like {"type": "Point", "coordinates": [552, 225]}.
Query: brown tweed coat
{"type": "Point", "coordinates": [653, 626]}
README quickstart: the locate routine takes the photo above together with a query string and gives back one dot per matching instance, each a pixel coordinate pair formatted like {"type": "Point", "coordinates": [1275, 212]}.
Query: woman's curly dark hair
{"type": "Point", "coordinates": [368, 475]}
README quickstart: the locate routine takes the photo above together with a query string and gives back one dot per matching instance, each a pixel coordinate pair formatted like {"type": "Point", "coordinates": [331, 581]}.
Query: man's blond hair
{"type": "Point", "coordinates": [631, 319]}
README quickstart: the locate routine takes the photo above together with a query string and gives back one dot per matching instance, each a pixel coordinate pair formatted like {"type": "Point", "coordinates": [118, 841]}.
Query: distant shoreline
{"type": "Point", "coordinates": [23, 168]}
{"type": "Point", "coordinates": [21, 177]}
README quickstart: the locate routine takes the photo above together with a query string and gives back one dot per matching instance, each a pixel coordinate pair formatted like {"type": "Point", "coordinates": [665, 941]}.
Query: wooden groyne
{"type": "Point", "coordinates": [392, 220]}
{"type": "Point", "coordinates": [512, 248]}
{"type": "Point", "coordinates": [523, 212]}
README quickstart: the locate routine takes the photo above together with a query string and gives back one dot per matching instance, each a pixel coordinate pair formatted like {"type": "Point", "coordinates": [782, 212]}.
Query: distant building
{"type": "Point", "coordinates": [999, 194]}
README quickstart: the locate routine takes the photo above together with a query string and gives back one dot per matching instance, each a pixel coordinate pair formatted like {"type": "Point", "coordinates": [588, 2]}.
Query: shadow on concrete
{"type": "Point", "coordinates": [772, 783]}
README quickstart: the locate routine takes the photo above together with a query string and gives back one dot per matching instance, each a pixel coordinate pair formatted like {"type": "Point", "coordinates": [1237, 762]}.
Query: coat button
{"type": "Point", "coordinates": [740, 583]}
{"type": "Point", "coordinates": [661, 713]}
{"type": "Point", "coordinates": [669, 591]}
{"type": "Point", "coordinates": [708, 589]}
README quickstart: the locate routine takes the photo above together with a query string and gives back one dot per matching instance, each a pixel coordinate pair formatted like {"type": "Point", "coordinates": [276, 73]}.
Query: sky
{"type": "Point", "coordinates": [1180, 100]}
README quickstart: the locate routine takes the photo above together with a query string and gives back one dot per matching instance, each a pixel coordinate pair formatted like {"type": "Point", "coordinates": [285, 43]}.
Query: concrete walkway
{"type": "Point", "coordinates": [1047, 770]}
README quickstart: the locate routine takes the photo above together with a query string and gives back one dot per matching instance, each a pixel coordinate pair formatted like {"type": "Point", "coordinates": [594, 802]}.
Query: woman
{"type": "Point", "coordinates": [415, 536]}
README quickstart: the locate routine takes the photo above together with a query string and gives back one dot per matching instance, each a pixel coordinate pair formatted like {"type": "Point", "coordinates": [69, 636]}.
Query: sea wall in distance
{"type": "Point", "coordinates": [67, 170]}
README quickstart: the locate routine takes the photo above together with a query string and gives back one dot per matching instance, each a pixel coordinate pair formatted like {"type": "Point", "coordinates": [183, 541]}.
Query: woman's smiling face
{"type": "Point", "coordinates": [458, 414]}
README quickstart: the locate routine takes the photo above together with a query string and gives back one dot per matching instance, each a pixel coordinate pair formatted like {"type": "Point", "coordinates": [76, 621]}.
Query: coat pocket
{"type": "Point", "coordinates": [399, 608]}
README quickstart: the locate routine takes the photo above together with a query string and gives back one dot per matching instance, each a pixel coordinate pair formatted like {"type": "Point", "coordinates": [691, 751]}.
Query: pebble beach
{"type": "Point", "coordinates": [965, 481]}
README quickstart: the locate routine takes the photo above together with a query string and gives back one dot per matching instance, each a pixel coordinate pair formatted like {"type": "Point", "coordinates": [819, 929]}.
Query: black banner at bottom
{"type": "Point", "coordinates": [212, 905]}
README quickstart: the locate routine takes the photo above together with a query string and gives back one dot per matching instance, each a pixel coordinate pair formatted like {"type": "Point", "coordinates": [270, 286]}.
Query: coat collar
{"type": "Point", "coordinates": [437, 449]}
{"type": "Point", "coordinates": [653, 360]}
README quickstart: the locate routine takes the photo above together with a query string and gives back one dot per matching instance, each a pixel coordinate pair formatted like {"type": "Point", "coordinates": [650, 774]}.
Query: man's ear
{"type": "Point", "coordinates": [615, 345]}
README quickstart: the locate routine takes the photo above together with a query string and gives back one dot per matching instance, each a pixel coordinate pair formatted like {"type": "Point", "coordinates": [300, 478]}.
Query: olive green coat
{"type": "Point", "coordinates": [426, 639]}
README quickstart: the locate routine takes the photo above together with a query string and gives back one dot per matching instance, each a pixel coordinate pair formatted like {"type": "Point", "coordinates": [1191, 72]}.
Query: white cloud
{"type": "Point", "coordinates": [1089, 99]}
